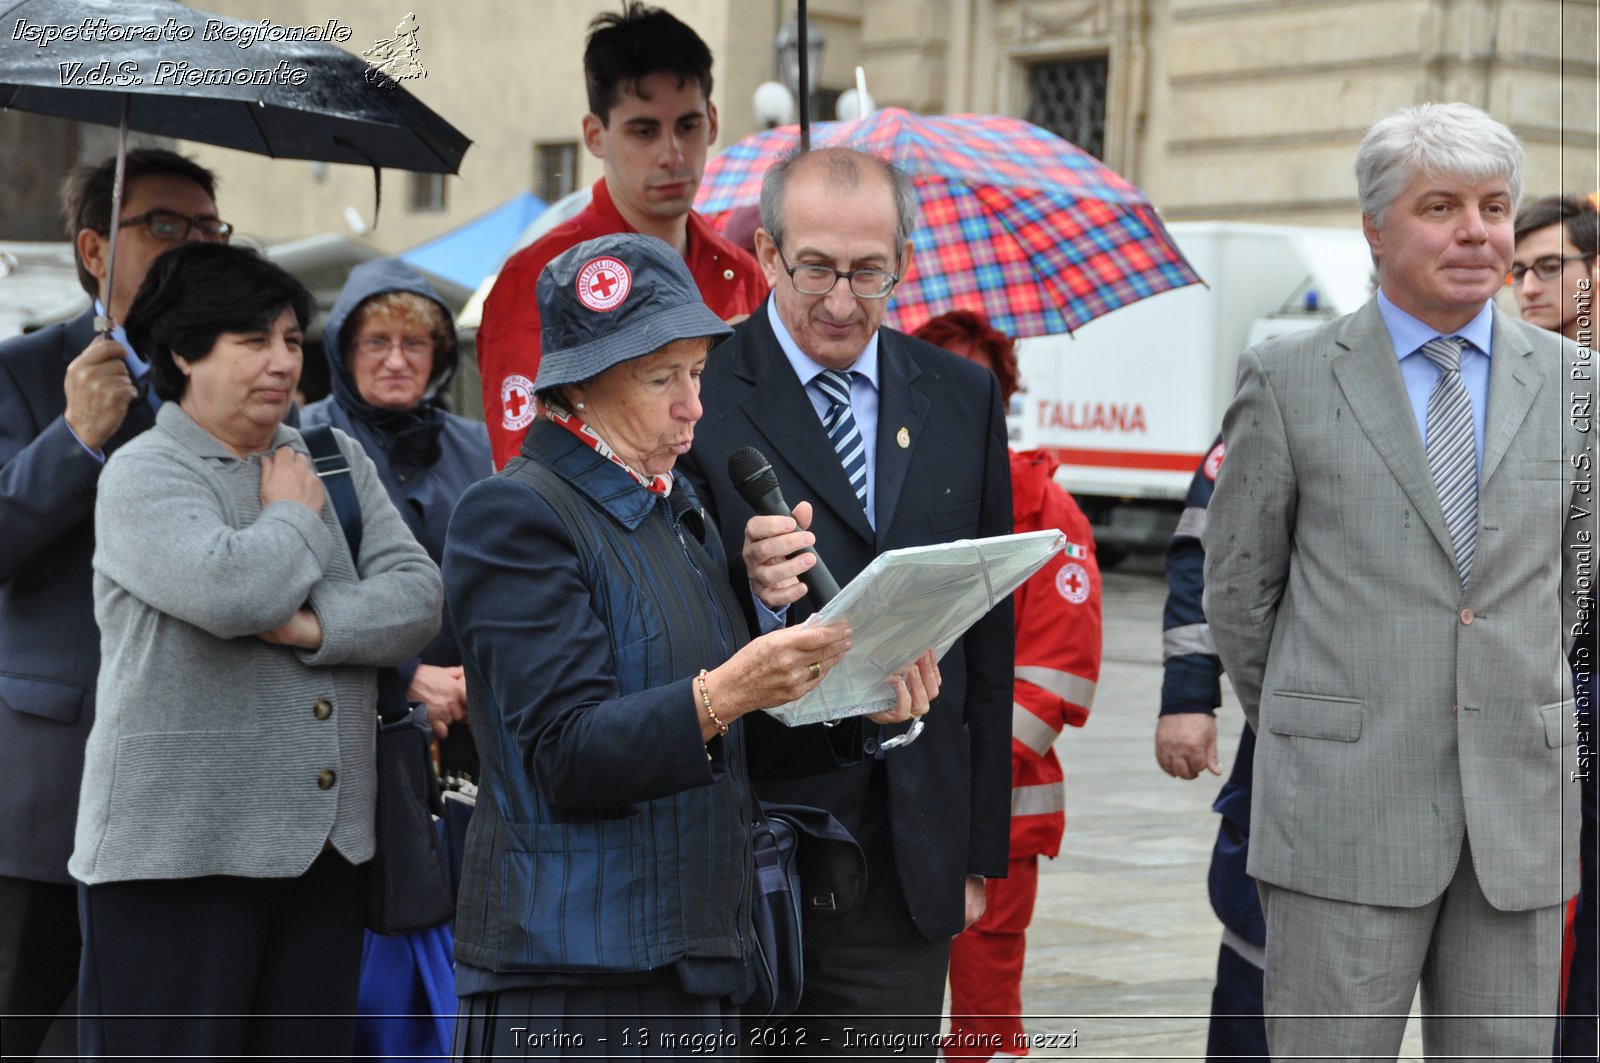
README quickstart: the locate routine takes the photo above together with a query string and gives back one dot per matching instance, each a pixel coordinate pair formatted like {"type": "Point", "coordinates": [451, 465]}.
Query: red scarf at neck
{"type": "Point", "coordinates": [658, 485]}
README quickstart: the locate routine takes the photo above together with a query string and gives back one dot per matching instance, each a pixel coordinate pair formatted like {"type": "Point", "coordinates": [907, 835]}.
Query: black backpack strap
{"type": "Point", "coordinates": [341, 486]}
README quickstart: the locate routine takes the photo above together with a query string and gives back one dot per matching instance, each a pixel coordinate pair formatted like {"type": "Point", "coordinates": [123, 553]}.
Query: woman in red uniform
{"type": "Point", "coordinates": [1057, 666]}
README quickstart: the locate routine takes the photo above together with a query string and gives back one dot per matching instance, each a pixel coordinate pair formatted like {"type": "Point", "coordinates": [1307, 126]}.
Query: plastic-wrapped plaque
{"type": "Point", "coordinates": [908, 600]}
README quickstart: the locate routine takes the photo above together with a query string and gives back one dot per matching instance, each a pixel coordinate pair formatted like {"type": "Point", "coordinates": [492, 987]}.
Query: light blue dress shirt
{"type": "Point", "coordinates": [863, 403]}
{"type": "Point", "coordinates": [1419, 374]}
{"type": "Point", "coordinates": [863, 394]}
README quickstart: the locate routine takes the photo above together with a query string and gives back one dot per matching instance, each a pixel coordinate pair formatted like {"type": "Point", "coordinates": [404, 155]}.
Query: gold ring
{"type": "Point", "coordinates": [816, 670]}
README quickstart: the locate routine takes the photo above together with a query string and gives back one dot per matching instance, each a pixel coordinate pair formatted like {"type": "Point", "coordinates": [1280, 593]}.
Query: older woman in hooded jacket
{"type": "Point", "coordinates": [391, 347]}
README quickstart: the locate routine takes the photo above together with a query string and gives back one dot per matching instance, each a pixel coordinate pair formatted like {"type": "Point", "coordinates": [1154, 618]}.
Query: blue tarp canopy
{"type": "Point", "coordinates": [475, 250]}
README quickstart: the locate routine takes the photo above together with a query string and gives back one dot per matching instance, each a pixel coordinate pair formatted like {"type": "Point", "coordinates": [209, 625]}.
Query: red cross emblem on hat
{"type": "Point", "coordinates": [603, 283]}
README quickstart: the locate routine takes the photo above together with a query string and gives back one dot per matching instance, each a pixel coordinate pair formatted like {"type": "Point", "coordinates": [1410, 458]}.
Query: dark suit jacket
{"type": "Point", "coordinates": [49, 644]}
{"type": "Point", "coordinates": [950, 791]}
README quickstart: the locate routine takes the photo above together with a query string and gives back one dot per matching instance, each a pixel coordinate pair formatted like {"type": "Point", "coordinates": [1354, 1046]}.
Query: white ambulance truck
{"type": "Point", "coordinates": [1132, 401]}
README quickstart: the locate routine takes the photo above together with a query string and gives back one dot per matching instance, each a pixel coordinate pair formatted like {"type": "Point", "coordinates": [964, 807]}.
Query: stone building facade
{"type": "Point", "coordinates": [1231, 109]}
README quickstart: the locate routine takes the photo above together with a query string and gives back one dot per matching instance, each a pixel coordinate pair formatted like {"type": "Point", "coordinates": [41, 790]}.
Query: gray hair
{"type": "Point", "coordinates": [1438, 139]}
{"type": "Point", "coordinates": [843, 172]}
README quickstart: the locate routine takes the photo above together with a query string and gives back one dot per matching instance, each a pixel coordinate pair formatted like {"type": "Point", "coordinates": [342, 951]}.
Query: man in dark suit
{"type": "Point", "coordinates": [894, 443]}
{"type": "Point", "coordinates": [68, 398]}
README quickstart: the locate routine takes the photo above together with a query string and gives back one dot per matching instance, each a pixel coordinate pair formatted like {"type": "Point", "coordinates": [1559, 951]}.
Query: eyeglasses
{"type": "Point", "coordinates": [1547, 268]}
{"type": "Point", "coordinates": [169, 226]}
{"type": "Point", "coordinates": [413, 347]}
{"type": "Point", "coordinates": [814, 278]}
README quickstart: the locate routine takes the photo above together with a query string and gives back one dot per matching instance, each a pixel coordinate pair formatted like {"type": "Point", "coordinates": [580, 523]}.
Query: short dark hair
{"type": "Point", "coordinates": [627, 47]}
{"type": "Point", "coordinates": [196, 292]}
{"type": "Point", "coordinates": [973, 329]}
{"type": "Point", "coordinates": [1577, 213]}
{"type": "Point", "coordinates": [86, 194]}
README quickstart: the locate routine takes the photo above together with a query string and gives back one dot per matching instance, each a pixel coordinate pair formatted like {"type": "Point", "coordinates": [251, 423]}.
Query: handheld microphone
{"type": "Point", "coordinates": [757, 484]}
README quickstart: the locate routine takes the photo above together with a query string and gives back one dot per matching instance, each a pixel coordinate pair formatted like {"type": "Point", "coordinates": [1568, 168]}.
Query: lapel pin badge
{"type": "Point", "coordinates": [903, 437]}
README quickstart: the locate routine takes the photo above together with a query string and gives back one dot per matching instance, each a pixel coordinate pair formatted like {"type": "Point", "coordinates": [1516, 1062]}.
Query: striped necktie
{"type": "Point", "coordinates": [1452, 452]}
{"type": "Point", "coordinates": [839, 421]}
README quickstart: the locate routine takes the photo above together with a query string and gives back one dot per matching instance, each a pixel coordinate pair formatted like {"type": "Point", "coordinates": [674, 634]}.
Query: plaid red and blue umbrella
{"type": "Point", "coordinates": [1012, 220]}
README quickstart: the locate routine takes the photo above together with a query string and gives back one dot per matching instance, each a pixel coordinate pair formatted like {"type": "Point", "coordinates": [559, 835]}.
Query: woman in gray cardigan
{"type": "Point", "coordinates": [227, 802]}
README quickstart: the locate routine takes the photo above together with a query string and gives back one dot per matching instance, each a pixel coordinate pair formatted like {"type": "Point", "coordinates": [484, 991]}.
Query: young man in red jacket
{"type": "Point", "coordinates": [1057, 666]}
{"type": "Point", "coordinates": [650, 122]}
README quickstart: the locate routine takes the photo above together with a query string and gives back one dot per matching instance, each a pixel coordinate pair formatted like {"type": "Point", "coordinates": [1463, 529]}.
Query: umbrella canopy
{"type": "Point", "coordinates": [1013, 221]}
{"type": "Point", "coordinates": [197, 80]}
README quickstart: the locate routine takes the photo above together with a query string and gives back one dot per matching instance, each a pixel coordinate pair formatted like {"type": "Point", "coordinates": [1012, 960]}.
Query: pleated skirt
{"type": "Point", "coordinates": [586, 1022]}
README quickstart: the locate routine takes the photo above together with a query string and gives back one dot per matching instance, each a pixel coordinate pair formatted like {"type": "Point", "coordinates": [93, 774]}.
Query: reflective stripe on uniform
{"type": "Point", "coordinates": [1038, 800]}
{"type": "Point", "coordinates": [1064, 685]}
{"type": "Point", "coordinates": [1190, 638]}
{"type": "Point", "coordinates": [1193, 522]}
{"type": "Point", "coordinates": [1032, 731]}
{"type": "Point", "coordinates": [1250, 953]}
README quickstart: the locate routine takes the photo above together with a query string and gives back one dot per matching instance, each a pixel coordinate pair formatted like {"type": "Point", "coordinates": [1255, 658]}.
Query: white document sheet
{"type": "Point", "coordinates": [908, 600]}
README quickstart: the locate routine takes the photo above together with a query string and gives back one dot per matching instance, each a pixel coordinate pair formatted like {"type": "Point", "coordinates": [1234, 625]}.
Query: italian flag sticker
{"type": "Point", "coordinates": [1074, 550]}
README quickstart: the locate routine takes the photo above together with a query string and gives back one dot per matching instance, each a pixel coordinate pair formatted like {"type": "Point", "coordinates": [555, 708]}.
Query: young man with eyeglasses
{"type": "Point", "coordinates": [892, 442]}
{"type": "Point", "coordinates": [1555, 269]}
{"type": "Point", "coordinates": [68, 398]}
{"type": "Point", "coordinates": [1554, 272]}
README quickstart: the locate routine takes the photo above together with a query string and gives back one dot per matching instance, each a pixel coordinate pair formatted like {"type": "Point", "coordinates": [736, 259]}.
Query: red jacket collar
{"type": "Point", "coordinates": [700, 233]}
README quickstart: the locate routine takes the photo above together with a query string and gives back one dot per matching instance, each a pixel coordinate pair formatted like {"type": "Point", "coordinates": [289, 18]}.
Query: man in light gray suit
{"type": "Point", "coordinates": [1390, 557]}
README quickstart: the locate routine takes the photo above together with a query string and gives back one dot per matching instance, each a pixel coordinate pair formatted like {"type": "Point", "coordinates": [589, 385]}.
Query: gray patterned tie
{"type": "Point", "coordinates": [839, 421]}
{"type": "Point", "coordinates": [1452, 454]}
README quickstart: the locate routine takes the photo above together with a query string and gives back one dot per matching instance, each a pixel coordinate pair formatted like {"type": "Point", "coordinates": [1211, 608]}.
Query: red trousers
{"type": "Point", "coordinates": [986, 969]}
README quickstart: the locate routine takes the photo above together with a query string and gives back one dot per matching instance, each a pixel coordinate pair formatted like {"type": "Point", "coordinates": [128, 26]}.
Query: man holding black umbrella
{"type": "Point", "coordinates": [68, 398]}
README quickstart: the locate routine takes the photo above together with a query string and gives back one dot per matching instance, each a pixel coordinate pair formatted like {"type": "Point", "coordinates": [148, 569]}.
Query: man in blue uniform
{"type": "Point", "coordinates": [1186, 745]}
{"type": "Point", "coordinates": [1554, 272]}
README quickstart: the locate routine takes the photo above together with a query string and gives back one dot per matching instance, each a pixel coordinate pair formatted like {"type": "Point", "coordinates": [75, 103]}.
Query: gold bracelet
{"type": "Point", "coordinates": [705, 699]}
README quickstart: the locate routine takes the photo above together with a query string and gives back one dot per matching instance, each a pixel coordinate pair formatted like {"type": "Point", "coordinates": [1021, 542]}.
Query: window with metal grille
{"type": "Point", "coordinates": [427, 193]}
{"type": "Point", "coordinates": [555, 170]}
{"type": "Point", "coordinates": [1068, 97]}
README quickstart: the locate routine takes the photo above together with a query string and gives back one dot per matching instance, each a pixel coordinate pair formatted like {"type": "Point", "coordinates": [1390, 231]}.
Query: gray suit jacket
{"type": "Point", "coordinates": [1396, 710]}
{"type": "Point", "coordinates": [212, 752]}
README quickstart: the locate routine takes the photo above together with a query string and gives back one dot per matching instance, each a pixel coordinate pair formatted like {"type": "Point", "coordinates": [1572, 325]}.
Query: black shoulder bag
{"type": "Point", "coordinates": [408, 881]}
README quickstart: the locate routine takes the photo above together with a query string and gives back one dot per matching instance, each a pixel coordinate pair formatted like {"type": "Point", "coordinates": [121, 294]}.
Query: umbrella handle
{"type": "Point", "coordinates": [104, 322]}
{"type": "Point", "coordinates": [377, 176]}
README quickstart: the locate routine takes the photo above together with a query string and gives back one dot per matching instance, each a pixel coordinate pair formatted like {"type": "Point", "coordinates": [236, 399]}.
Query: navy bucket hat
{"type": "Point", "coordinates": [612, 299]}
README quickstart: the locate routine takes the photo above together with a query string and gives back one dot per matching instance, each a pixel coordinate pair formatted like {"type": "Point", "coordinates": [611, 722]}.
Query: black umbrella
{"type": "Point", "coordinates": [160, 67]}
